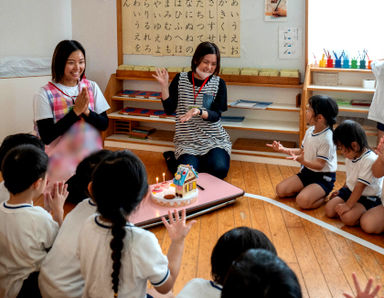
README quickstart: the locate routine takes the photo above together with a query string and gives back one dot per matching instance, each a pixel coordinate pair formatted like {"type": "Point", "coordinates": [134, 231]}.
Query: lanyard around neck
{"type": "Point", "coordinates": [193, 84]}
{"type": "Point", "coordinates": [62, 92]}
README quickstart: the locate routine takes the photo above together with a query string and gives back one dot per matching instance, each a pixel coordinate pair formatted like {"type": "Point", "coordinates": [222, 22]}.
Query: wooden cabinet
{"type": "Point", "coordinates": [271, 123]}
{"type": "Point", "coordinates": [346, 87]}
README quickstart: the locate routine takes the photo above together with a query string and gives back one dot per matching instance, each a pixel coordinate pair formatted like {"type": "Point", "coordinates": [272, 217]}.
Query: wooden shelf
{"type": "Point", "coordinates": [351, 70]}
{"type": "Point", "coordinates": [264, 125]}
{"type": "Point", "coordinates": [242, 80]}
{"type": "Point", "coordinates": [246, 124]}
{"type": "Point", "coordinates": [354, 109]}
{"type": "Point", "coordinates": [122, 98]}
{"type": "Point", "coordinates": [118, 116]}
{"type": "Point", "coordinates": [341, 89]}
{"type": "Point", "coordinates": [126, 139]}
{"type": "Point", "coordinates": [273, 107]}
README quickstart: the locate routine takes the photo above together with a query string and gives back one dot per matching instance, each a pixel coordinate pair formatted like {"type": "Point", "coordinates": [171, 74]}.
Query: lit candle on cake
{"type": "Point", "coordinates": [163, 177]}
{"type": "Point", "coordinates": [157, 180]}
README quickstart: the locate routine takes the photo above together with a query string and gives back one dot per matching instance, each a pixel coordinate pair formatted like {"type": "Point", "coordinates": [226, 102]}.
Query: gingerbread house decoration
{"type": "Point", "coordinates": [185, 180]}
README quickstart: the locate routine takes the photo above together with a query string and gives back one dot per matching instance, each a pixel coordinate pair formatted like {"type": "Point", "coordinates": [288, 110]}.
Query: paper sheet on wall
{"type": "Point", "coordinates": [175, 28]}
{"type": "Point", "coordinates": [290, 42]}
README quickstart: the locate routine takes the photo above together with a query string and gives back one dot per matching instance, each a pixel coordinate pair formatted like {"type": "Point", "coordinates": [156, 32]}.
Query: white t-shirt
{"type": "Point", "coordinates": [376, 110]}
{"type": "Point", "coordinates": [201, 288]}
{"type": "Point", "coordinates": [26, 232]}
{"type": "Point", "coordinates": [320, 145]}
{"type": "Point", "coordinates": [141, 260]}
{"type": "Point", "coordinates": [43, 109]}
{"type": "Point", "coordinates": [60, 275]}
{"type": "Point", "coordinates": [360, 170]}
{"type": "Point", "coordinates": [4, 193]}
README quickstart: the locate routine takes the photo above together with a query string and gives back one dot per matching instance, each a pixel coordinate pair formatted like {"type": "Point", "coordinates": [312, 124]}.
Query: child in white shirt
{"type": "Point", "coordinates": [372, 221]}
{"type": "Point", "coordinates": [317, 156]}
{"type": "Point", "coordinates": [26, 231]}
{"type": "Point", "coordinates": [362, 189]}
{"type": "Point", "coordinates": [60, 275]}
{"type": "Point", "coordinates": [117, 258]}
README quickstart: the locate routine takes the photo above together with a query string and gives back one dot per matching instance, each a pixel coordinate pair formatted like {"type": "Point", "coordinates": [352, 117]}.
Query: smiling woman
{"type": "Point", "coordinates": [199, 97]}
{"type": "Point", "coordinates": [69, 111]}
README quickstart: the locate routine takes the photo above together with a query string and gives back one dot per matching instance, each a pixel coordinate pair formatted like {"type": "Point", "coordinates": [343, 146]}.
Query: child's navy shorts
{"type": "Point", "coordinates": [326, 180]}
{"type": "Point", "coordinates": [380, 126]}
{"type": "Point", "coordinates": [367, 201]}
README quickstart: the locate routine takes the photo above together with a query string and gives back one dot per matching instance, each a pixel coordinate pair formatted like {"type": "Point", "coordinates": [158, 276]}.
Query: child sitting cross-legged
{"type": "Point", "coordinates": [27, 232]}
{"type": "Point", "coordinates": [227, 249]}
{"type": "Point", "coordinates": [362, 189]}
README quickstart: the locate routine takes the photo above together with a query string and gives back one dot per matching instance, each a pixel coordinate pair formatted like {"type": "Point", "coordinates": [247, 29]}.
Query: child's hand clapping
{"type": "Point", "coordinates": [277, 146]}
{"type": "Point", "coordinates": [177, 227]}
{"type": "Point", "coordinates": [56, 200]}
{"type": "Point", "coordinates": [297, 157]}
{"type": "Point", "coordinates": [367, 291]}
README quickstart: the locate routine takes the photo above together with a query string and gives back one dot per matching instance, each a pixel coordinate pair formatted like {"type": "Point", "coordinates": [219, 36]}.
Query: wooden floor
{"type": "Point", "coordinates": [322, 260]}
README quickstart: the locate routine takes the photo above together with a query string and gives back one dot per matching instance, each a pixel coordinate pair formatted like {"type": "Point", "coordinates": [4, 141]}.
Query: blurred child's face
{"type": "Point", "coordinates": [74, 68]}
{"type": "Point", "coordinates": [207, 65]}
{"type": "Point", "coordinates": [347, 152]}
{"type": "Point", "coordinates": [309, 115]}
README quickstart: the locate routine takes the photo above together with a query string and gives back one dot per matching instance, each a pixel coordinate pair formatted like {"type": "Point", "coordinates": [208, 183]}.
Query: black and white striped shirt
{"type": "Point", "coordinates": [198, 136]}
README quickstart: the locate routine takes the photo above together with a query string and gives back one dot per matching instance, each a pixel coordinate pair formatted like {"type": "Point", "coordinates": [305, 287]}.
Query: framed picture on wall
{"type": "Point", "coordinates": [276, 10]}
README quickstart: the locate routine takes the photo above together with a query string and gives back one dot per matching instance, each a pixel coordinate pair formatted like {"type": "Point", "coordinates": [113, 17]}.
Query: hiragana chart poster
{"type": "Point", "coordinates": [176, 27]}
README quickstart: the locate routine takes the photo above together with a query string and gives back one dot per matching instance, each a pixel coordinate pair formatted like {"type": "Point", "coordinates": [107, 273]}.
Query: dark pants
{"type": "Point", "coordinates": [30, 287]}
{"type": "Point", "coordinates": [215, 162]}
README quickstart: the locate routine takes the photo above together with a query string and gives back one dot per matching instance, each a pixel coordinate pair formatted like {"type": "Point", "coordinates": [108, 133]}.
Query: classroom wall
{"type": "Point", "coordinates": [94, 25]}
{"type": "Point", "coordinates": [28, 29]}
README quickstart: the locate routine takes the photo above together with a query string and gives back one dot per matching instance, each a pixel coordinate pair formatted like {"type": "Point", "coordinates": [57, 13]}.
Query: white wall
{"type": "Point", "coordinates": [33, 28]}
{"type": "Point", "coordinates": [94, 25]}
{"type": "Point", "coordinates": [16, 108]}
{"type": "Point", "coordinates": [28, 29]}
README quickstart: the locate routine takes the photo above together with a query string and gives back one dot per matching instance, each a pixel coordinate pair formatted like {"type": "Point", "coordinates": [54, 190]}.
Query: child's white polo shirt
{"type": "Point", "coordinates": [320, 145]}
{"type": "Point", "coordinates": [60, 272]}
{"type": "Point", "coordinates": [360, 170]}
{"type": "Point", "coordinates": [26, 232]}
{"type": "Point", "coordinates": [141, 260]}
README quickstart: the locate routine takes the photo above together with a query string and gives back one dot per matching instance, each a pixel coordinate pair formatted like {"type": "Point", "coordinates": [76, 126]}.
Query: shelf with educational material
{"type": "Point", "coordinates": [254, 121]}
{"type": "Point", "coordinates": [348, 87]}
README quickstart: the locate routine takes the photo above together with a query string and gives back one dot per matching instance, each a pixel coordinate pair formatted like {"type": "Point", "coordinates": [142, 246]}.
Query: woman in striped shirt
{"type": "Point", "coordinates": [199, 97]}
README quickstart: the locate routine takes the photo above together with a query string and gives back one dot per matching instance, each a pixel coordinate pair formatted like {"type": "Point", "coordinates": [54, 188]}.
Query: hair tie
{"type": "Point", "coordinates": [115, 295]}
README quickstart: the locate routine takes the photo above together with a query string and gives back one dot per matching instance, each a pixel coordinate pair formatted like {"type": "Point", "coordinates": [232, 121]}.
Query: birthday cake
{"type": "Point", "coordinates": [180, 191]}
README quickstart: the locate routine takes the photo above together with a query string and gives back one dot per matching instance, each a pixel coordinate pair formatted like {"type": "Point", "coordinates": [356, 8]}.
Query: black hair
{"type": "Point", "coordinates": [60, 56]}
{"type": "Point", "coordinates": [12, 141]}
{"type": "Point", "coordinates": [260, 273]}
{"type": "Point", "coordinates": [206, 48]}
{"type": "Point", "coordinates": [119, 183]}
{"type": "Point", "coordinates": [78, 183]}
{"type": "Point", "coordinates": [22, 166]}
{"type": "Point", "coordinates": [231, 245]}
{"type": "Point", "coordinates": [350, 131]}
{"type": "Point", "coordinates": [326, 106]}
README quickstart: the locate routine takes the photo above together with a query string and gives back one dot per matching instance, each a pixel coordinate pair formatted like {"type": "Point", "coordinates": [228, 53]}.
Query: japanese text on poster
{"type": "Point", "coordinates": [176, 27]}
